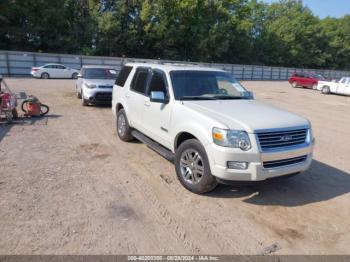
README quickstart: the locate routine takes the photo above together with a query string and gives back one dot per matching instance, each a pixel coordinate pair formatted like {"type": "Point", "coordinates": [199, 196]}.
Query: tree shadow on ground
{"type": "Point", "coordinates": [320, 183]}
{"type": "Point", "coordinates": [23, 121]}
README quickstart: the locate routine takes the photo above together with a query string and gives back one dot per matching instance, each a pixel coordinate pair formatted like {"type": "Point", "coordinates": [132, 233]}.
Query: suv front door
{"type": "Point", "coordinates": [157, 115]}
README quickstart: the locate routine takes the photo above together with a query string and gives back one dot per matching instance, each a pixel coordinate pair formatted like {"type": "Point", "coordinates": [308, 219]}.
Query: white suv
{"type": "Point", "coordinates": [209, 125]}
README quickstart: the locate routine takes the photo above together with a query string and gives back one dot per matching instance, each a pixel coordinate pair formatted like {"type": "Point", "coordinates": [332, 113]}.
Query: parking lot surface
{"type": "Point", "coordinates": [68, 185]}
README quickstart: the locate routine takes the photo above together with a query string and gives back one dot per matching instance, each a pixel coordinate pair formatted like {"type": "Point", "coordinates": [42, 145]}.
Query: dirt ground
{"type": "Point", "coordinates": [68, 185]}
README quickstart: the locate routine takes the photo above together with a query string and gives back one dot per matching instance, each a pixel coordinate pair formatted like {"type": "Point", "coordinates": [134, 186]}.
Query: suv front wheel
{"type": "Point", "coordinates": [192, 167]}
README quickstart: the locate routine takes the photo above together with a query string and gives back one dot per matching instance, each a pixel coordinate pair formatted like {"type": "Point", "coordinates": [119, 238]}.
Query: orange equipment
{"type": "Point", "coordinates": [33, 107]}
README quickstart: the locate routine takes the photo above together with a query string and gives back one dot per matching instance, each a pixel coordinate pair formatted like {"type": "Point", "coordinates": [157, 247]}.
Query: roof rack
{"type": "Point", "coordinates": [179, 64]}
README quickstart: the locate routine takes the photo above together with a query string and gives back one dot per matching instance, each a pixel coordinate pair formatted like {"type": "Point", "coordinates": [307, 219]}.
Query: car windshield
{"type": "Point", "coordinates": [321, 77]}
{"type": "Point", "coordinates": [206, 85]}
{"type": "Point", "coordinates": [100, 73]}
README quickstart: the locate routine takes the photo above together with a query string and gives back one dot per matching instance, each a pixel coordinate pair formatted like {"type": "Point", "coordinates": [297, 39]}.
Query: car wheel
{"type": "Point", "coordinates": [294, 84]}
{"type": "Point", "coordinates": [123, 128]}
{"type": "Point", "coordinates": [84, 102]}
{"type": "Point", "coordinates": [325, 90]}
{"type": "Point", "coordinates": [9, 117]}
{"type": "Point", "coordinates": [75, 76]}
{"type": "Point", "coordinates": [45, 76]}
{"type": "Point", "coordinates": [78, 93]}
{"type": "Point", "coordinates": [314, 86]}
{"type": "Point", "coordinates": [192, 167]}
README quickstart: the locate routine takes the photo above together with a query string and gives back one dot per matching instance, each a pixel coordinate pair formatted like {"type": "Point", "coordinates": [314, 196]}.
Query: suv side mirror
{"type": "Point", "coordinates": [79, 75]}
{"type": "Point", "coordinates": [158, 97]}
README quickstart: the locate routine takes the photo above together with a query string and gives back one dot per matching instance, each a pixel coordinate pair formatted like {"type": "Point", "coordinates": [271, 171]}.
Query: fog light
{"type": "Point", "coordinates": [237, 165]}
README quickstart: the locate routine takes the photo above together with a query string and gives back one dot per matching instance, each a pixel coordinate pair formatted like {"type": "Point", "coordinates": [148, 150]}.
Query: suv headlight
{"type": "Point", "coordinates": [231, 138]}
{"type": "Point", "coordinates": [309, 136]}
{"type": "Point", "coordinates": [90, 86]}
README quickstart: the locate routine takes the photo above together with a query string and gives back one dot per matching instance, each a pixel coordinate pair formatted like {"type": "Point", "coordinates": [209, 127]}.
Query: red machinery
{"type": "Point", "coordinates": [31, 106]}
{"type": "Point", "coordinates": [8, 102]}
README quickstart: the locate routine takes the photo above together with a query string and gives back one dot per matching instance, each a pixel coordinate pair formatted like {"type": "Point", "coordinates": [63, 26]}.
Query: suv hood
{"type": "Point", "coordinates": [98, 82]}
{"type": "Point", "coordinates": [248, 115]}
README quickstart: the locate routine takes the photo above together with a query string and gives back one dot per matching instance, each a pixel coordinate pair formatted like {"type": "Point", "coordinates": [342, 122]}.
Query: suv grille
{"type": "Point", "coordinates": [105, 86]}
{"type": "Point", "coordinates": [102, 96]}
{"type": "Point", "coordinates": [278, 139]}
{"type": "Point", "coordinates": [284, 162]}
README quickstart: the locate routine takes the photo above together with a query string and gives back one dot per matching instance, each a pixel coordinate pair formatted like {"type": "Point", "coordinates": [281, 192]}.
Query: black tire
{"type": "Point", "coordinates": [9, 117]}
{"type": "Point", "coordinates": [15, 113]}
{"type": "Point", "coordinates": [45, 76]}
{"type": "Point", "coordinates": [294, 84]}
{"type": "Point", "coordinates": [84, 102]}
{"type": "Point", "coordinates": [124, 132]}
{"type": "Point", "coordinates": [325, 90]}
{"type": "Point", "coordinates": [45, 111]}
{"type": "Point", "coordinates": [75, 76]}
{"type": "Point", "coordinates": [207, 182]}
{"type": "Point", "coordinates": [24, 106]}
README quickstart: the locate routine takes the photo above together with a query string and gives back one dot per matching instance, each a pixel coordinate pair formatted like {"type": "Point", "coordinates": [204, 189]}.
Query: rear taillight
{"type": "Point", "coordinates": [35, 69]}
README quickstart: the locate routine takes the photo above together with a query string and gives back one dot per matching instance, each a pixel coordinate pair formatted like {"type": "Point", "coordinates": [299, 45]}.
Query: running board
{"type": "Point", "coordinates": [164, 152]}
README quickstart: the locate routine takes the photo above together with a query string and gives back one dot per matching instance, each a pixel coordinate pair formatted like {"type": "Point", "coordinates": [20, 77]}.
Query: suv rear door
{"type": "Point", "coordinates": [136, 97]}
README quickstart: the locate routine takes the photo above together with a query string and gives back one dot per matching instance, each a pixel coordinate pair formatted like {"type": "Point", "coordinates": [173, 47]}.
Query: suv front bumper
{"type": "Point", "coordinates": [219, 157]}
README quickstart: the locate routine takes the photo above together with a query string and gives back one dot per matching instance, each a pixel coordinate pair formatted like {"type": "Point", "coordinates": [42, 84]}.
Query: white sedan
{"type": "Point", "coordinates": [54, 71]}
{"type": "Point", "coordinates": [342, 87]}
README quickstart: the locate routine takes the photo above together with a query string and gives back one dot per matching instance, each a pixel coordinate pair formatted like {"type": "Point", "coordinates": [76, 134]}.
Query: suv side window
{"type": "Point", "coordinates": [123, 76]}
{"type": "Point", "coordinates": [139, 83]}
{"type": "Point", "coordinates": [158, 83]}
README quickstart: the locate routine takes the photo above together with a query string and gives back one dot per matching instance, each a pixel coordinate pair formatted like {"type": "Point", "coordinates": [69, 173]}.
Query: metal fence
{"type": "Point", "coordinates": [13, 63]}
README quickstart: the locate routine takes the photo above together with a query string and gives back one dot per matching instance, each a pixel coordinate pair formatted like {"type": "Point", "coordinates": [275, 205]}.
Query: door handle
{"type": "Point", "coordinates": [127, 96]}
{"type": "Point", "coordinates": [147, 103]}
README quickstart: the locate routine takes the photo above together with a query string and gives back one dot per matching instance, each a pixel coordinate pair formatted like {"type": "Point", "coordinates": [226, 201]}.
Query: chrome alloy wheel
{"type": "Point", "coordinates": [121, 125]}
{"type": "Point", "coordinates": [192, 167]}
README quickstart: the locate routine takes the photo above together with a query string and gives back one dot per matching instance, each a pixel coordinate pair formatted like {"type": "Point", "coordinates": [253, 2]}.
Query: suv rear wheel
{"type": "Point", "coordinates": [192, 167]}
{"type": "Point", "coordinates": [123, 128]}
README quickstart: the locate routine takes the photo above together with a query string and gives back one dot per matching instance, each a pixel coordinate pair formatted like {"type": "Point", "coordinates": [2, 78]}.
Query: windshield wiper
{"type": "Point", "coordinates": [197, 98]}
{"type": "Point", "coordinates": [230, 97]}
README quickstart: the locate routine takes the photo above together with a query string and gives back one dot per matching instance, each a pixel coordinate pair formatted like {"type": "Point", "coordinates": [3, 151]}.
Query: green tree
{"type": "Point", "coordinates": [285, 33]}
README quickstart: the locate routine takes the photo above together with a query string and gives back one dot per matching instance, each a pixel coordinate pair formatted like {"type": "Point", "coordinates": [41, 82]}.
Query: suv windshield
{"type": "Point", "coordinates": [206, 85]}
{"type": "Point", "coordinates": [100, 73]}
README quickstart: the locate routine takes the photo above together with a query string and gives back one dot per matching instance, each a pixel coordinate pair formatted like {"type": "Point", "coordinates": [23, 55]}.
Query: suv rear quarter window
{"type": "Point", "coordinates": [123, 76]}
{"type": "Point", "coordinates": [139, 82]}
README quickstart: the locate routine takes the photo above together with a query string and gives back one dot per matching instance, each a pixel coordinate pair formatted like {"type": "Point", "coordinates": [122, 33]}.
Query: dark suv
{"type": "Point", "coordinates": [305, 80]}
